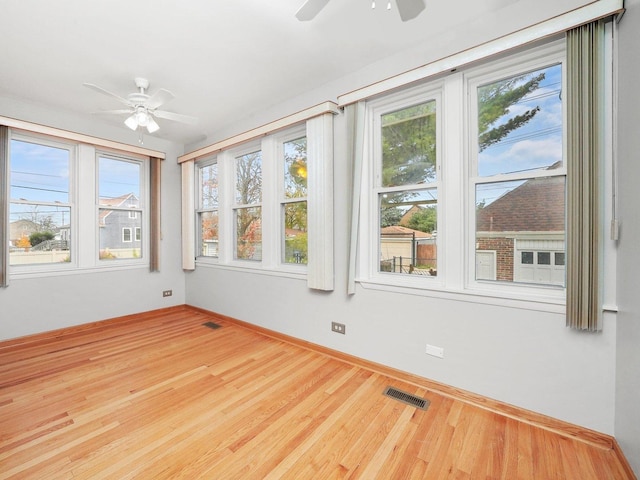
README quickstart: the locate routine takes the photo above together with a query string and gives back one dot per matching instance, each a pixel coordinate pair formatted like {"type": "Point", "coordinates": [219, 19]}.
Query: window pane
{"type": "Point", "coordinates": [39, 173]}
{"type": "Point", "coordinates": [516, 219]}
{"type": "Point", "coordinates": [39, 234]}
{"type": "Point", "coordinates": [119, 183]}
{"type": "Point", "coordinates": [544, 258]}
{"type": "Point", "coordinates": [249, 178]}
{"type": "Point", "coordinates": [295, 168]}
{"type": "Point", "coordinates": [295, 232]}
{"type": "Point", "coordinates": [409, 145]}
{"type": "Point", "coordinates": [117, 238]}
{"type": "Point", "coordinates": [209, 234]}
{"type": "Point", "coordinates": [559, 258]}
{"type": "Point", "coordinates": [520, 123]}
{"type": "Point", "coordinates": [209, 186]}
{"type": "Point", "coordinates": [248, 233]}
{"type": "Point", "coordinates": [408, 223]}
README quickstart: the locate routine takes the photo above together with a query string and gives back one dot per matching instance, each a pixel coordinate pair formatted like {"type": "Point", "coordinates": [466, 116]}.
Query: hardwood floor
{"type": "Point", "coordinates": [159, 396]}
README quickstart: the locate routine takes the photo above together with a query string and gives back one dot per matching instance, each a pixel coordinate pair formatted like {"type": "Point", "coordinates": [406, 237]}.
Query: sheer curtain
{"type": "Point", "coordinates": [355, 141]}
{"type": "Point", "coordinates": [585, 48]}
{"type": "Point", "coordinates": [4, 204]}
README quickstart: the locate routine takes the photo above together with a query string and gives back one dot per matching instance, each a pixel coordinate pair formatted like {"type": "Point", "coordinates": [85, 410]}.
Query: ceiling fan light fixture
{"type": "Point", "coordinates": [131, 122]}
{"type": "Point", "coordinates": [142, 117]}
{"type": "Point", "coordinates": [152, 125]}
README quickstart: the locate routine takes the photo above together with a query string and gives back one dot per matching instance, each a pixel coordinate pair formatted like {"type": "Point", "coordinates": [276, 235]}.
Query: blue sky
{"type": "Point", "coordinates": [536, 145]}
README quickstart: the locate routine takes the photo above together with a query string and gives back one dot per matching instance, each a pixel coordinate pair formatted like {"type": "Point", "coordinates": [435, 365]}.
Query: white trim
{"type": "Point", "coordinates": [539, 31]}
{"type": "Point", "coordinates": [272, 127]}
{"type": "Point", "coordinates": [78, 137]}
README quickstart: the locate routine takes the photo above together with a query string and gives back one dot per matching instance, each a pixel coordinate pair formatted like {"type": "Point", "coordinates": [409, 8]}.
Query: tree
{"type": "Point", "coordinates": [494, 102]}
{"type": "Point", "coordinates": [23, 242]}
{"type": "Point", "coordinates": [38, 237]}
{"type": "Point", "coordinates": [424, 220]}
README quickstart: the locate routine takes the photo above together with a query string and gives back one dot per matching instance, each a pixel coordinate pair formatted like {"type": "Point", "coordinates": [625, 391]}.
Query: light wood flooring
{"type": "Point", "coordinates": [160, 396]}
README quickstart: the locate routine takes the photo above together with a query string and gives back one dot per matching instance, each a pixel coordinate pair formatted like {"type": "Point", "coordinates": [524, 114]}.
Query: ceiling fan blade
{"type": "Point", "coordinates": [176, 117]}
{"type": "Point", "coordinates": [107, 92]}
{"type": "Point", "coordinates": [115, 112]}
{"type": "Point", "coordinates": [310, 9]}
{"type": "Point", "coordinates": [409, 9]}
{"type": "Point", "coordinates": [160, 97]}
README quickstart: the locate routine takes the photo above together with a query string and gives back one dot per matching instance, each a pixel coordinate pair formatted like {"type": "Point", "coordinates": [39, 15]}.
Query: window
{"type": "Point", "coordinates": [119, 200]}
{"type": "Point", "coordinates": [74, 201]}
{"type": "Point", "coordinates": [247, 207]}
{"type": "Point", "coordinates": [42, 203]}
{"type": "Point", "coordinates": [293, 202]}
{"type": "Point", "coordinates": [252, 204]}
{"type": "Point", "coordinates": [464, 181]}
{"type": "Point", "coordinates": [407, 193]}
{"type": "Point", "coordinates": [273, 207]}
{"type": "Point", "coordinates": [207, 210]}
{"type": "Point", "coordinates": [518, 173]}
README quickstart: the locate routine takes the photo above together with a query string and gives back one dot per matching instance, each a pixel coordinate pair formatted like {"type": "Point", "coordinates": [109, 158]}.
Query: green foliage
{"type": "Point", "coordinates": [296, 244]}
{"type": "Point", "coordinates": [38, 237]}
{"type": "Point", "coordinates": [494, 101]}
{"type": "Point", "coordinates": [424, 220]}
{"type": "Point", "coordinates": [389, 216]}
{"type": "Point", "coordinates": [409, 145]}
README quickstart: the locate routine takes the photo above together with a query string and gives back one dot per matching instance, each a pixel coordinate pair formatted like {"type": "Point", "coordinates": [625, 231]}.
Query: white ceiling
{"type": "Point", "coordinates": [223, 60]}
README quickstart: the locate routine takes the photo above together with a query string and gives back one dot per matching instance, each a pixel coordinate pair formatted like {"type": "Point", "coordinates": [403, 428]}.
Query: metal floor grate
{"type": "Point", "coordinates": [408, 398]}
{"type": "Point", "coordinates": [211, 325]}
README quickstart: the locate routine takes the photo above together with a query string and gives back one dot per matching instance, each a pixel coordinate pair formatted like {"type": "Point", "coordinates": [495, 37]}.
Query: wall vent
{"type": "Point", "coordinates": [211, 325]}
{"type": "Point", "coordinates": [408, 398]}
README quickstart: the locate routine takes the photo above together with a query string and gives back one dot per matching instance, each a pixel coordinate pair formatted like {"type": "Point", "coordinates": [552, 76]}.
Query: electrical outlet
{"type": "Point", "coordinates": [167, 293]}
{"type": "Point", "coordinates": [435, 351]}
{"type": "Point", "coordinates": [338, 328]}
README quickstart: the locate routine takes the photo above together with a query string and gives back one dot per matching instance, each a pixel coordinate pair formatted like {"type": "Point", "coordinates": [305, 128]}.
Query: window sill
{"type": "Point", "coordinates": [544, 303]}
{"type": "Point", "coordinates": [299, 273]}
{"type": "Point", "coordinates": [72, 270]}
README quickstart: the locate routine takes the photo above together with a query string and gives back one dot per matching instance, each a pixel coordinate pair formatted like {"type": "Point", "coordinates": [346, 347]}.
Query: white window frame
{"type": "Point", "coordinates": [271, 148]}
{"type": "Point", "coordinates": [535, 59]}
{"type": "Point", "coordinates": [370, 261]}
{"type": "Point", "coordinates": [124, 235]}
{"type": "Point", "coordinates": [456, 189]}
{"type": "Point", "coordinates": [72, 204]}
{"type": "Point", "coordinates": [141, 209]}
{"type": "Point", "coordinates": [200, 209]}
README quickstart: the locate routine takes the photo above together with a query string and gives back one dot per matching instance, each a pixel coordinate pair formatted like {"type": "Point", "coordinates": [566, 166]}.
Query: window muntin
{"type": "Point", "coordinates": [207, 210]}
{"type": "Point", "coordinates": [247, 209]}
{"type": "Point", "coordinates": [41, 203]}
{"type": "Point", "coordinates": [519, 120]}
{"type": "Point", "coordinates": [119, 212]}
{"type": "Point", "coordinates": [407, 189]}
{"type": "Point", "coordinates": [293, 202]}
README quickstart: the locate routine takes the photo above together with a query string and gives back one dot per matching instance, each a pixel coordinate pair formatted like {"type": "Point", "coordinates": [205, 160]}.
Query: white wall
{"type": "Point", "coordinates": [627, 423]}
{"type": "Point", "coordinates": [523, 357]}
{"type": "Point", "coordinates": [31, 305]}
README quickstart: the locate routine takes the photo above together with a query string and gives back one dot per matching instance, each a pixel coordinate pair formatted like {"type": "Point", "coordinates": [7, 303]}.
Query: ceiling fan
{"type": "Point", "coordinates": [408, 9]}
{"type": "Point", "coordinates": [142, 107]}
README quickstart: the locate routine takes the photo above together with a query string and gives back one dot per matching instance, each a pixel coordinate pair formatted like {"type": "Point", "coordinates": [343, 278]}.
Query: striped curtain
{"type": "Point", "coordinates": [585, 112]}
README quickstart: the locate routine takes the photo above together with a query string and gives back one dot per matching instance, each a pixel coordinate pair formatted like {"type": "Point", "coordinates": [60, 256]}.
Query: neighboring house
{"type": "Point", "coordinates": [21, 228]}
{"type": "Point", "coordinates": [120, 230]}
{"type": "Point", "coordinates": [402, 247]}
{"type": "Point", "coordinates": [520, 237]}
